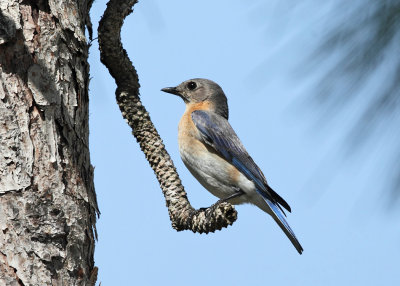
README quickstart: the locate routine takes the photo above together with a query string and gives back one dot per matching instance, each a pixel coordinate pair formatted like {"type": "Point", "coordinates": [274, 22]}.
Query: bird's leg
{"type": "Point", "coordinates": [238, 193]}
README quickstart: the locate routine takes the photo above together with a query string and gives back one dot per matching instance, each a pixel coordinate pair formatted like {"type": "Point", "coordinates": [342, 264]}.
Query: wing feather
{"type": "Point", "coordinates": [218, 133]}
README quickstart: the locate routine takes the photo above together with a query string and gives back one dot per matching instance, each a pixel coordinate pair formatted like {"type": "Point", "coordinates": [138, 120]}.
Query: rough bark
{"type": "Point", "coordinates": [182, 214]}
{"type": "Point", "coordinates": [47, 200]}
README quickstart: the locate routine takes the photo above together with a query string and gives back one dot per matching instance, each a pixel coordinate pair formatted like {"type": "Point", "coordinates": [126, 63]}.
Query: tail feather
{"type": "Point", "coordinates": [279, 217]}
{"type": "Point", "coordinates": [279, 200]}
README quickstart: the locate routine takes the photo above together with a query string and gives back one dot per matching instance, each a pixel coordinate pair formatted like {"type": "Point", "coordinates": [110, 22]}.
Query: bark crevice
{"type": "Point", "coordinates": [48, 226]}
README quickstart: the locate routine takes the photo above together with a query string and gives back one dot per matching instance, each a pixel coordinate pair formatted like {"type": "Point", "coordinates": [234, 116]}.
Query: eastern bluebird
{"type": "Point", "coordinates": [215, 156]}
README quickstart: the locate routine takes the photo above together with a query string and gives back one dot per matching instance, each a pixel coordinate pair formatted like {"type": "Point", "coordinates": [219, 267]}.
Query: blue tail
{"type": "Point", "coordinates": [279, 217]}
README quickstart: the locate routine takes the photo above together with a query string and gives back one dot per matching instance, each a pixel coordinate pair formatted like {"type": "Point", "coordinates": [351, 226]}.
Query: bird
{"type": "Point", "coordinates": [215, 156]}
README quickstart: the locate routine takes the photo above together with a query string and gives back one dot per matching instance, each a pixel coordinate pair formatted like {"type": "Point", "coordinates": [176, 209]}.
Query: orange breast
{"type": "Point", "coordinates": [186, 126]}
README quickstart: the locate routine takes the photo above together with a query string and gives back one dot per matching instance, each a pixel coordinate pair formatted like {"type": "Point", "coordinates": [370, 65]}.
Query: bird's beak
{"type": "Point", "coordinates": [172, 90]}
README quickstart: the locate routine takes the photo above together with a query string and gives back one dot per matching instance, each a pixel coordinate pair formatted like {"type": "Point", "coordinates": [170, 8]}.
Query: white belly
{"type": "Point", "coordinates": [214, 173]}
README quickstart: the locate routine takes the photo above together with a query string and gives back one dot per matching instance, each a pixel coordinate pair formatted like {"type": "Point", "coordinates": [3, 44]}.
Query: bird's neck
{"type": "Point", "coordinates": [207, 106]}
{"type": "Point", "coordinates": [204, 105]}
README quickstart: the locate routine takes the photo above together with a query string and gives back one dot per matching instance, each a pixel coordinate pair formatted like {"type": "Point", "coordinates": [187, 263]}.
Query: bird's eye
{"type": "Point", "coordinates": [191, 85]}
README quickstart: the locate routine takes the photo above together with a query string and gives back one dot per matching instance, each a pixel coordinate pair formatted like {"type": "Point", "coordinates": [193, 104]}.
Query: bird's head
{"type": "Point", "coordinates": [198, 90]}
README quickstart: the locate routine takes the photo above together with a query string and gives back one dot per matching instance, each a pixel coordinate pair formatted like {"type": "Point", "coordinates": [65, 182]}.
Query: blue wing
{"type": "Point", "coordinates": [218, 133]}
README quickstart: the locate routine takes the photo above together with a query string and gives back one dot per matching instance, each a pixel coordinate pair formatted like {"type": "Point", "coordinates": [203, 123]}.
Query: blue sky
{"type": "Point", "coordinates": [256, 51]}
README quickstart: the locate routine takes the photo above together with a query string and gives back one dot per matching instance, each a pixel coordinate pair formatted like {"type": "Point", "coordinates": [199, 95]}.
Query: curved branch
{"type": "Point", "coordinates": [115, 58]}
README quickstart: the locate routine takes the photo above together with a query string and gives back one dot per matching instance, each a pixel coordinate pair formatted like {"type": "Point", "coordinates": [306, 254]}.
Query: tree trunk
{"type": "Point", "coordinates": [47, 200]}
